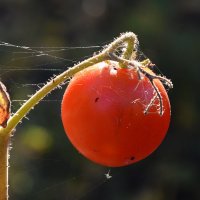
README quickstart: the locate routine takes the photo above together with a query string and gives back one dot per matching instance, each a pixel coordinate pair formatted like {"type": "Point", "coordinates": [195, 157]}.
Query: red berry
{"type": "Point", "coordinates": [103, 114]}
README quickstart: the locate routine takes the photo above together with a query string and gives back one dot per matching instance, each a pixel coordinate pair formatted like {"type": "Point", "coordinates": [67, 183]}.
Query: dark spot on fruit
{"type": "Point", "coordinates": [97, 99]}
{"type": "Point", "coordinates": [132, 158]}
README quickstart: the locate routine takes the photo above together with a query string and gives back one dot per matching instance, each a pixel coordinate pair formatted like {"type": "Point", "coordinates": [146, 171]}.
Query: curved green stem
{"type": "Point", "coordinates": [47, 88]}
{"type": "Point", "coordinates": [131, 41]}
{"type": "Point", "coordinates": [5, 133]}
{"type": "Point", "coordinates": [128, 38]}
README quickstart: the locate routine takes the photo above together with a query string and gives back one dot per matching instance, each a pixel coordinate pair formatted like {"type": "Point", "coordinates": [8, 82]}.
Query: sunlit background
{"type": "Point", "coordinates": [43, 163]}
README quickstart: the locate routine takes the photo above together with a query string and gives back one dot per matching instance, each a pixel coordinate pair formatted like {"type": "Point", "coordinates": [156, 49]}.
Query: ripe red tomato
{"type": "Point", "coordinates": [103, 114]}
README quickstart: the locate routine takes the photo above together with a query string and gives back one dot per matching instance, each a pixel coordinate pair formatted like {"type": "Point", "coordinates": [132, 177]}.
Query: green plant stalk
{"type": "Point", "coordinates": [129, 50]}
{"type": "Point", "coordinates": [129, 38]}
{"type": "Point", "coordinates": [4, 147]}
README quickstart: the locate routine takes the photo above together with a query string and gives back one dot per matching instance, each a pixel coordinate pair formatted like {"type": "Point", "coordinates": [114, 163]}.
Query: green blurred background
{"type": "Point", "coordinates": [43, 163]}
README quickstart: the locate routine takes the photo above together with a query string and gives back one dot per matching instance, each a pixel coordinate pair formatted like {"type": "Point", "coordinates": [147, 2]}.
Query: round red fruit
{"type": "Point", "coordinates": [103, 114]}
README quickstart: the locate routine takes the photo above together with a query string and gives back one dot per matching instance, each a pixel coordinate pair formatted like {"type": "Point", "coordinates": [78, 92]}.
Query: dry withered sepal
{"type": "Point", "coordinates": [4, 105]}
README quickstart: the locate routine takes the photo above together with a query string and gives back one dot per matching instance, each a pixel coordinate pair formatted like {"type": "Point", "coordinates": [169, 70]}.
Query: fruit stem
{"type": "Point", "coordinates": [130, 47]}
{"type": "Point", "coordinates": [129, 38]}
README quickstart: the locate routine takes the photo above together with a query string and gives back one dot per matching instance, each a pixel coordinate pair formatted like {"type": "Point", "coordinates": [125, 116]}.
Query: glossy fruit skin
{"type": "Point", "coordinates": [103, 114]}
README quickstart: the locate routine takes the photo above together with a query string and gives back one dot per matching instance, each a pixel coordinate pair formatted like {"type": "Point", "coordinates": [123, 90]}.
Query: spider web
{"type": "Point", "coordinates": [24, 60]}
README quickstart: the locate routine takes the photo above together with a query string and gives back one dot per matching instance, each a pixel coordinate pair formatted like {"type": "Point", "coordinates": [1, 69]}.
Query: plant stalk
{"type": "Point", "coordinates": [5, 133]}
{"type": "Point", "coordinates": [4, 148]}
{"type": "Point", "coordinates": [129, 38]}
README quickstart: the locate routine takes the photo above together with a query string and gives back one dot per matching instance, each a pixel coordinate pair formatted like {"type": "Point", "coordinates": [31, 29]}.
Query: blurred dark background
{"type": "Point", "coordinates": [43, 163]}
